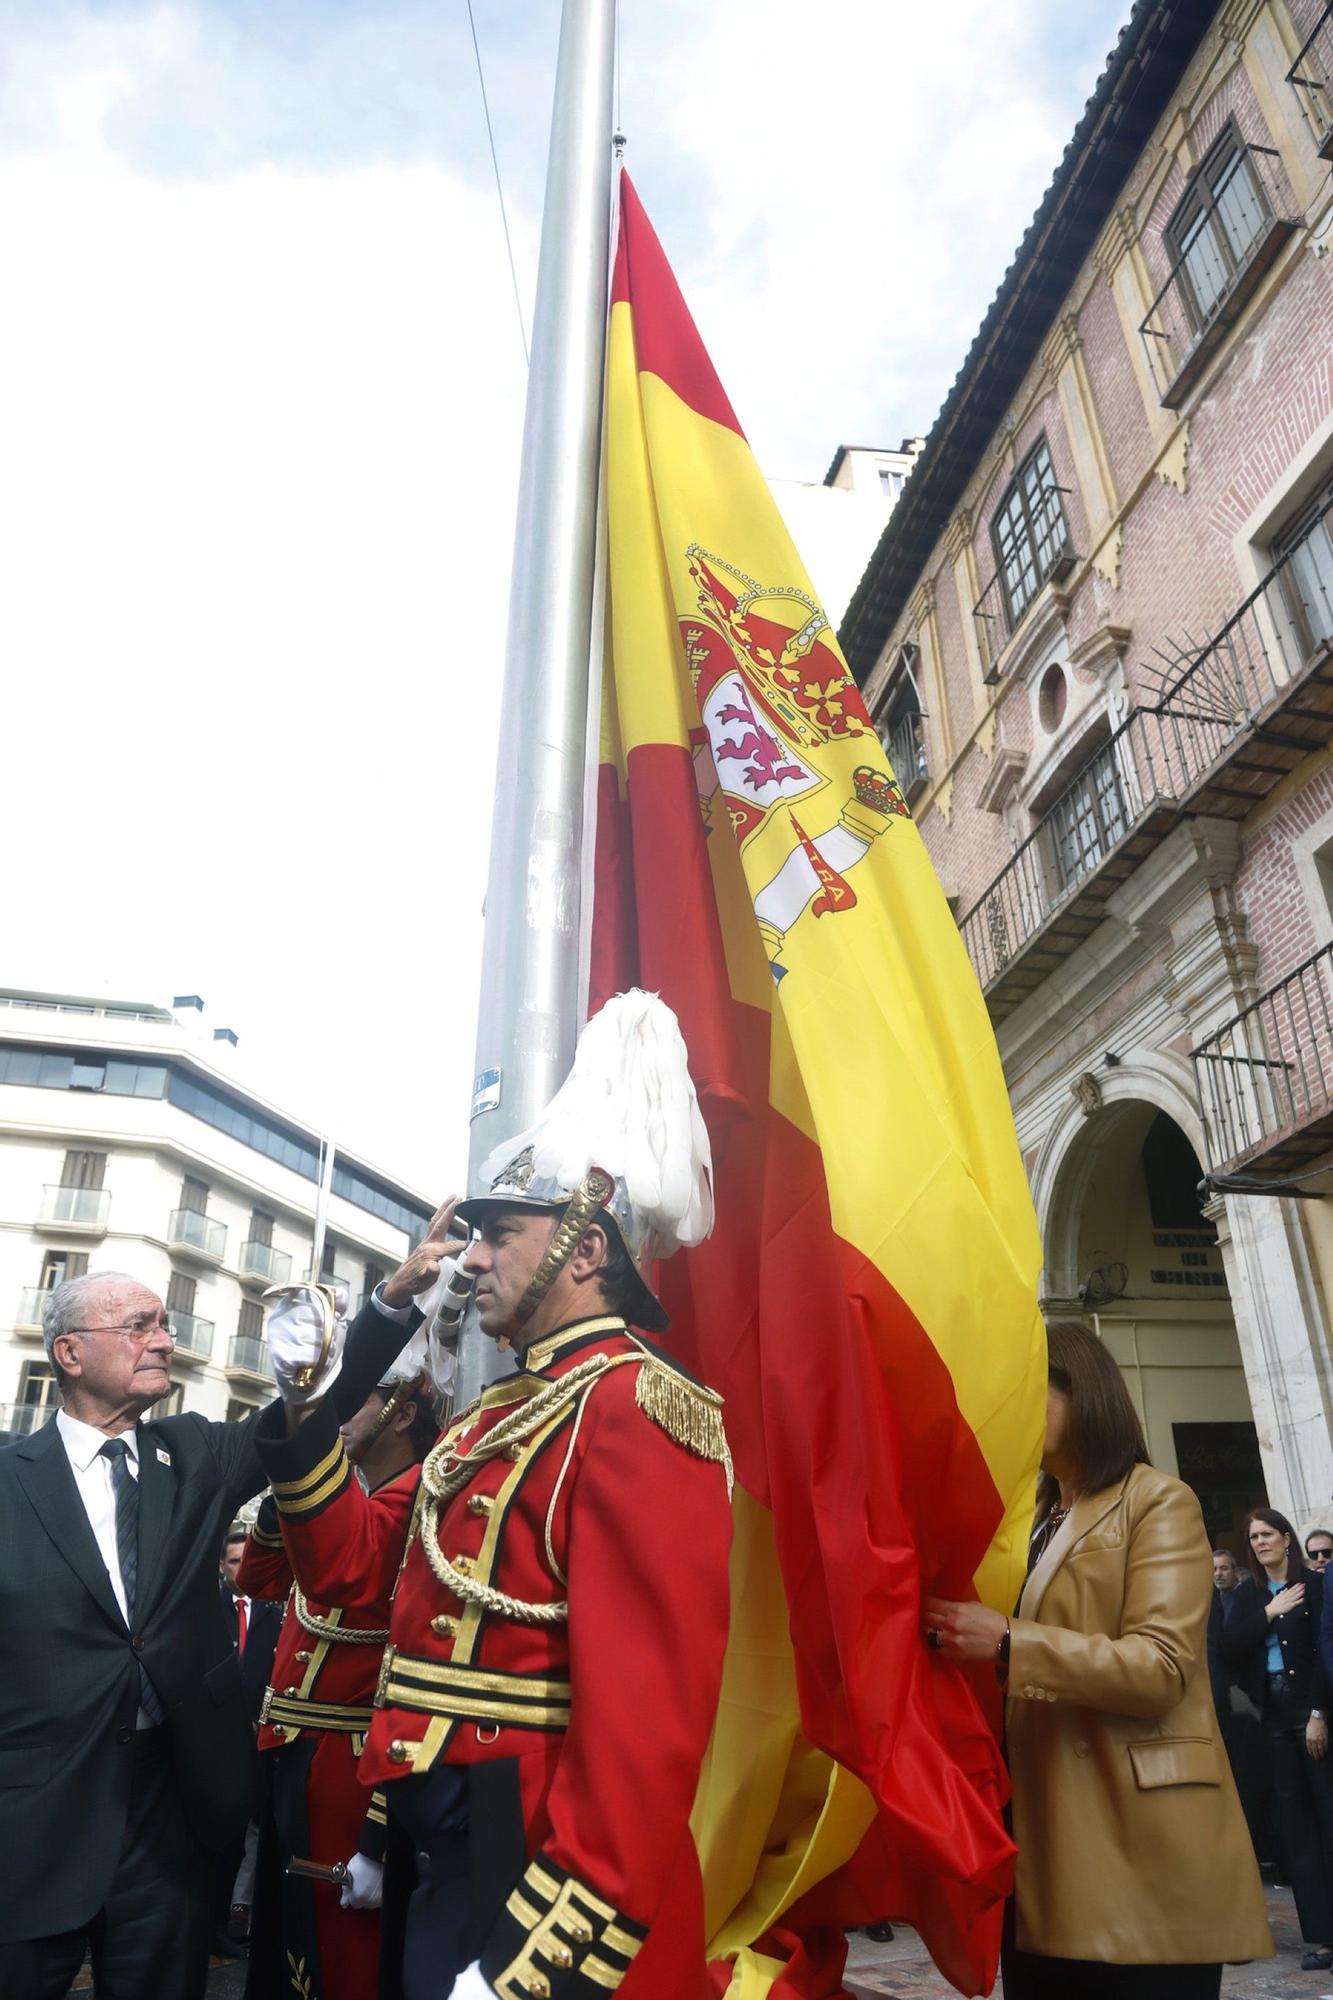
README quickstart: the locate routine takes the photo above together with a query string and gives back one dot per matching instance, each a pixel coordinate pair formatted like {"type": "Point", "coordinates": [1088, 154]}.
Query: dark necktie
{"type": "Point", "coordinates": [126, 1489]}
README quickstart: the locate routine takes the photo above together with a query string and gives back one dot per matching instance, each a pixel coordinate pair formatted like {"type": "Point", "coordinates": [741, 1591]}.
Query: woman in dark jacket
{"type": "Point", "coordinates": [1271, 1641]}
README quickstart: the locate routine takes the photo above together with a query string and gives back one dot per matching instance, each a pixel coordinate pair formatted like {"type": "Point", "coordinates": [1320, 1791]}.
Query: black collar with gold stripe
{"type": "Point", "coordinates": [539, 1356]}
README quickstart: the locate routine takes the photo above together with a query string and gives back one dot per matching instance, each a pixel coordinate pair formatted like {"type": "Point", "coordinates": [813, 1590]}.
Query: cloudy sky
{"type": "Point", "coordinates": [261, 392]}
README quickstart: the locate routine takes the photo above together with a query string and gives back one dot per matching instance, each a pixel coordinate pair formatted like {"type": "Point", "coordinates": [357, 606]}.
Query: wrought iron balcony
{"type": "Point", "coordinates": [197, 1236]}
{"type": "Point", "coordinates": [248, 1354]}
{"type": "Point", "coordinates": [260, 1265]}
{"type": "Point", "coordinates": [33, 1301]}
{"type": "Point", "coordinates": [1053, 892]}
{"type": "Point", "coordinates": [1266, 1078]}
{"type": "Point", "coordinates": [1311, 77]}
{"type": "Point", "coordinates": [194, 1336]}
{"type": "Point", "coordinates": [1241, 222]}
{"type": "Point", "coordinates": [1258, 698]}
{"type": "Point", "coordinates": [81, 1211]}
{"type": "Point", "coordinates": [905, 747]}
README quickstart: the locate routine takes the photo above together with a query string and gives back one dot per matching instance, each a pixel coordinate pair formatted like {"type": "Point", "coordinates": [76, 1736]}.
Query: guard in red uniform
{"type": "Point", "coordinates": [559, 1623]}
{"type": "Point", "coordinates": [310, 1936]}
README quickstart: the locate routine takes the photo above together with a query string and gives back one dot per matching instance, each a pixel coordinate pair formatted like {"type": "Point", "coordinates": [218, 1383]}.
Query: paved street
{"type": "Point", "coordinates": [903, 1971]}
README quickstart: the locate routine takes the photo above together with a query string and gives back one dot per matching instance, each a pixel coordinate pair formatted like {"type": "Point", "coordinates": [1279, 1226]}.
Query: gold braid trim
{"type": "Point", "coordinates": [690, 1414]}
{"type": "Point", "coordinates": [322, 1628]}
{"type": "Point", "coordinates": [591, 1194]}
{"type": "Point", "coordinates": [446, 1472]}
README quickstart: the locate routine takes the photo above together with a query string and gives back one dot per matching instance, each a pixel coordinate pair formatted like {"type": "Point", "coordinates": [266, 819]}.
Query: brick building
{"type": "Point", "coordinates": [1100, 619]}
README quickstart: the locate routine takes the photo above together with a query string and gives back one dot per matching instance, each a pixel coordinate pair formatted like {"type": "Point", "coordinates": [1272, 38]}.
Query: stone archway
{"type": "Point", "coordinates": [1128, 1247]}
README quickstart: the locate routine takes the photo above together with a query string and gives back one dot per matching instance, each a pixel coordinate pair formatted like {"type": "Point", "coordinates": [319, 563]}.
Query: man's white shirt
{"type": "Point", "coordinates": [92, 1475]}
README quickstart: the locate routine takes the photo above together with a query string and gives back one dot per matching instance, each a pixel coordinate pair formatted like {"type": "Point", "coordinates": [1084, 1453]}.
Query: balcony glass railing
{"type": "Point", "coordinates": [189, 1230]}
{"type": "Point", "coordinates": [261, 1260]}
{"type": "Point", "coordinates": [1268, 1073]}
{"type": "Point", "coordinates": [193, 1334]}
{"type": "Point", "coordinates": [33, 1300]}
{"type": "Point", "coordinates": [76, 1207]}
{"type": "Point", "coordinates": [250, 1351]}
{"type": "Point", "coordinates": [22, 1419]}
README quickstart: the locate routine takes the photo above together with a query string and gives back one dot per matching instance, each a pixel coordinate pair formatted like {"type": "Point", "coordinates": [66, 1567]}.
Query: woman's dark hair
{"type": "Point", "coordinates": [1297, 1567]}
{"type": "Point", "coordinates": [1105, 1437]}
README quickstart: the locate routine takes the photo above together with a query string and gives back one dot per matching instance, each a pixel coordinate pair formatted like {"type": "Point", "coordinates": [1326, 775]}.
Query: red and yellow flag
{"type": "Point", "coordinates": [867, 1304]}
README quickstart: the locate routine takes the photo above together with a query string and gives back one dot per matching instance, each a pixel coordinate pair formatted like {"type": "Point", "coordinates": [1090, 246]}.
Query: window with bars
{"type": "Point", "coordinates": [1088, 820]}
{"type": "Point", "coordinates": [1305, 550]}
{"type": "Point", "coordinates": [1028, 531]}
{"type": "Point", "coordinates": [1223, 215]}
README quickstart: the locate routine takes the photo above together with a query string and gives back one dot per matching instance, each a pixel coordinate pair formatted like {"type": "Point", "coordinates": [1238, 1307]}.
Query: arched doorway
{"type": "Point", "coordinates": [1129, 1248]}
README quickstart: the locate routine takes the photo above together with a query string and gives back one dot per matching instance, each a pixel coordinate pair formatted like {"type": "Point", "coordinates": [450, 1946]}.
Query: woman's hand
{"type": "Point", "coordinates": [1316, 1738]}
{"type": "Point", "coordinates": [1285, 1600]}
{"type": "Point", "coordinates": [966, 1631]}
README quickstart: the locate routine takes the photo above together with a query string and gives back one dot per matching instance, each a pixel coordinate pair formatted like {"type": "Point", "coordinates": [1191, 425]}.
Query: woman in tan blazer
{"type": "Point", "coordinates": [1135, 1875]}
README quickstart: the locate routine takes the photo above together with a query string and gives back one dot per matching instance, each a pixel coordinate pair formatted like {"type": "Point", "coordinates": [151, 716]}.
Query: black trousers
{"type": "Point", "coordinates": [150, 1938]}
{"type": "Point", "coordinates": [1027, 1977]}
{"type": "Point", "coordinates": [429, 1929]}
{"type": "Point", "coordinates": [1303, 1807]}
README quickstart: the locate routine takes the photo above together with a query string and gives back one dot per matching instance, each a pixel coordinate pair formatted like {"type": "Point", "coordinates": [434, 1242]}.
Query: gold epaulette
{"type": "Point", "coordinates": [685, 1410]}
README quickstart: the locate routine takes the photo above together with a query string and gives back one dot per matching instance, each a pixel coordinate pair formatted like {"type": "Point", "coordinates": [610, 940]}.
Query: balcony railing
{"type": "Point", "coordinates": [33, 1301]}
{"type": "Point", "coordinates": [1236, 691]}
{"type": "Point", "coordinates": [1083, 846]}
{"type": "Point", "coordinates": [82, 1210]}
{"type": "Point", "coordinates": [1266, 1078]}
{"type": "Point", "coordinates": [249, 1351]}
{"type": "Point", "coordinates": [1239, 715]}
{"type": "Point", "coordinates": [1242, 221]}
{"type": "Point", "coordinates": [22, 1419]}
{"type": "Point", "coordinates": [264, 1265]}
{"type": "Point", "coordinates": [193, 1335]}
{"type": "Point", "coordinates": [198, 1235]}
{"type": "Point", "coordinates": [905, 747]}
{"type": "Point", "coordinates": [1311, 77]}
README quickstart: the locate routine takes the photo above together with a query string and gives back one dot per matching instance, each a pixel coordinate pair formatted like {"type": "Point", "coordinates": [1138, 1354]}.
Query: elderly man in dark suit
{"type": "Point", "coordinates": [126, 1753]}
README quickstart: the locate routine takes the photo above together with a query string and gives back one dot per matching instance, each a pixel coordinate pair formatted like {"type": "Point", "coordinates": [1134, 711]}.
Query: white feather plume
{"type": "Point", "coordinates": [628, 1105]}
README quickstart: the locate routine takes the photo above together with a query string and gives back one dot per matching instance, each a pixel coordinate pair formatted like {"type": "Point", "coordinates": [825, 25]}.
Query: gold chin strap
{"type": "Point", "coordinates": [401, 1392]}
{"type": "Point", "coordinates": [305, 1378]}
{"type": "Point", "coordinates": [591, 1194]}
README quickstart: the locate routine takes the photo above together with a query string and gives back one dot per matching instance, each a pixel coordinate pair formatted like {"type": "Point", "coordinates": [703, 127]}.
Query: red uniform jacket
{"type": "Point", "coordinates": [593, 1481]}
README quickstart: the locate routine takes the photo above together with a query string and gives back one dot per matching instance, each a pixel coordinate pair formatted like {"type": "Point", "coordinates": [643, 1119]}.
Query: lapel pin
{"type": "Point", "coordinates": [164, 1457]}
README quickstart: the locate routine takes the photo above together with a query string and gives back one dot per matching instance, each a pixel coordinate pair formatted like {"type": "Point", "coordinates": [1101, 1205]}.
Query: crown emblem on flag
{"type": "Point", "coordinates": [879, 791]}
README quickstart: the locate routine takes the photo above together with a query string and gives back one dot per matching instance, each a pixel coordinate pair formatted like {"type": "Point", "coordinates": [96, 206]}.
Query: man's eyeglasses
{"type": "Point", "coordinates": [141, 1328]}
{"type": "Point", "coordinates": [1319, 1555]}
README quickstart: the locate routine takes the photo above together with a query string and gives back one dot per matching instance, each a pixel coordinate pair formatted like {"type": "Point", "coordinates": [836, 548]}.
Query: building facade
{"type": "Point", "coordinates": [127, 1143]}
{"type": "Point", "coordinates": [1097, 639]}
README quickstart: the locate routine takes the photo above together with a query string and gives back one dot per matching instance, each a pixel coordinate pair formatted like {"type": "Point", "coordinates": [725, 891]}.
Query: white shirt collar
{"type": "Point", "coordinates": [83, 1441]}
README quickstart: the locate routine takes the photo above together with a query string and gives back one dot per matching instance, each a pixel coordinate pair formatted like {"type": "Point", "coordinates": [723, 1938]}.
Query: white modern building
{"type": "Point", "coordinates": [128, 1143]}
{"type": "Point", "coordinates": [837, 523]}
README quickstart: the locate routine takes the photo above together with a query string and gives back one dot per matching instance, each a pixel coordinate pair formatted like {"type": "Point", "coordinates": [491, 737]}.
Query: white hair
{"type": "Point", "coordinates": [69, 1302]}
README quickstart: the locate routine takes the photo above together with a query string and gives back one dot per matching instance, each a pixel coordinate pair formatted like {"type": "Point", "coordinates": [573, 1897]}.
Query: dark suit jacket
{"type": "Point", "coordinates": [68, 1663]}
{"type": "Point", "coordinates": [261, 1642]}
{"type": "Point", "coordinates": [1244, 1643]}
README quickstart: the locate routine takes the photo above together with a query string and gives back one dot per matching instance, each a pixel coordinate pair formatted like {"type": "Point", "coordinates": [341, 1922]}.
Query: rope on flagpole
{"type": "Point", "coordinates": [499, 189]}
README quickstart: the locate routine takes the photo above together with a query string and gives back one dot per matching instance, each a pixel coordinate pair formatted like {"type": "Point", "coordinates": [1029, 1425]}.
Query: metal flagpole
{"type": "Point", "coordinates": [528, 1014]}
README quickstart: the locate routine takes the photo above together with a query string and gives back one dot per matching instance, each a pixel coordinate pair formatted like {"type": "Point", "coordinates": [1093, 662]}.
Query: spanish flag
{"type": "Point", "coordinates": [867, 1303]}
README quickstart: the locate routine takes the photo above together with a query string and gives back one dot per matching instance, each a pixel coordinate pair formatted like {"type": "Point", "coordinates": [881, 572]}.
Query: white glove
{"type": "Point", "coordinates": [295, 1333]}
{"type": "Point", "coordinates": [470, 1985]}
{"type": "Point", "coordinates": [364, 1887]}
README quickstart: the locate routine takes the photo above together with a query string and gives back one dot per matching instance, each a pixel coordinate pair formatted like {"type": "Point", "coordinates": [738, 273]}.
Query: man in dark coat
{"type": "Point", "coordinates": [126, 1753]}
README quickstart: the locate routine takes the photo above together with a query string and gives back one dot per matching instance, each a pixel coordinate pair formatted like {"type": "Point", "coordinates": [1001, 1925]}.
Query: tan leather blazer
{"type": "Point", "coordinates": [1132, 1848]}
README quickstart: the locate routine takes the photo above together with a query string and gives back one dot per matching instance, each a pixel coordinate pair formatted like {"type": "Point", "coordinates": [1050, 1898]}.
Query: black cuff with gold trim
{"type": "Point", "coordinates": [374, 1828]}
{"type": "Point", "coordinates": [309, 1469]}
{"type": "Point", "coordinates": [267, 1531]}
{"type": "Point", "coordinates": [556, 1939]}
